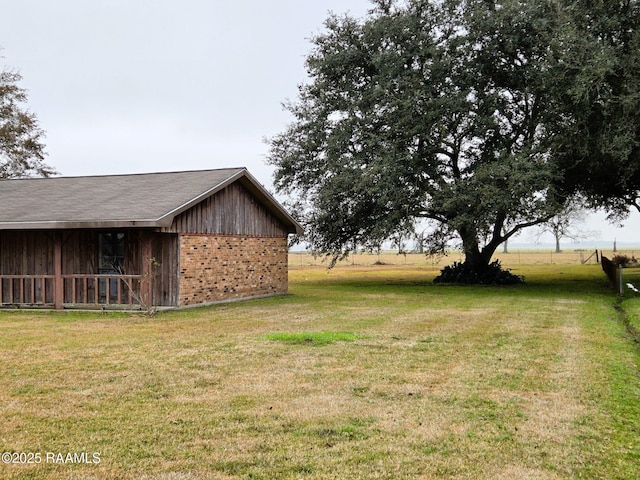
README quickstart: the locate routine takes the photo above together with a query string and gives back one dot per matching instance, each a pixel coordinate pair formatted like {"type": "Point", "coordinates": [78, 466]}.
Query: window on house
{"type": "Point", "coordinates": [111, 252]}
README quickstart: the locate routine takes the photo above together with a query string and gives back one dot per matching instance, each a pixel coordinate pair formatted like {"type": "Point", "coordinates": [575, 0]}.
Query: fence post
{"type": "Point", "coordinates": [58, 282]}
{"type": "Point", "coordinates": [621, 284]}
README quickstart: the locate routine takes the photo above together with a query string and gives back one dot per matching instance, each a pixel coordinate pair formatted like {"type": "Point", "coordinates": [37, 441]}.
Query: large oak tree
{"type": "Point", "coordinates": [438, 110]}
{"type": "Point", "coordinates": [600, 150]}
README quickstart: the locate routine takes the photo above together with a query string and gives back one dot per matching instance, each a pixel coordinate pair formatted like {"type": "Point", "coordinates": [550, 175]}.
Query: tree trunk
{"type": "Point", "coordinates": [476, 267]}
{"type": "Point", "coordinates": [477, 260]}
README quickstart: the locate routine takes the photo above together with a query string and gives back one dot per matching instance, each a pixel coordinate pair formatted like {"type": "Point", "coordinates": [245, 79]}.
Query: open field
{"type": "Point", "coordinates": [515, 258]}
{"type": "Point", "coordinates": [362, 372]}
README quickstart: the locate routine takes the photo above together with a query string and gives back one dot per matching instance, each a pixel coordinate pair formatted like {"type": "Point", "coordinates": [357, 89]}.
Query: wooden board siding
{"type": "Point", "coordinates": [26, 253]}
{"type": "Point", "coordinates": [231, 211]}
{"type": "Point", "coordinates": [80, 252]}
{"type": "Point", "coordinates": [165, 269]}
{"type": "Point", "coordinates": [79, 249]}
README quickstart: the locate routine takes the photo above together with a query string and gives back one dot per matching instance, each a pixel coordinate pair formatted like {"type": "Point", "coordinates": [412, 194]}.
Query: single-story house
{"type": "Point", "coordinates": [140, 241]}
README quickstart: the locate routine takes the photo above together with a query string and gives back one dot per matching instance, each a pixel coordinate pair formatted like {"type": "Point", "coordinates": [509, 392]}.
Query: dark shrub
{"type": "Point", "coordinates": [494, 274]}
{"type": "Point", "coordinates": [623, 260]}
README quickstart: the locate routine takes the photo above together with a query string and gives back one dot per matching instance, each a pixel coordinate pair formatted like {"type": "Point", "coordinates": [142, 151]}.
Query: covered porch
{"type": "Point", "coordinates": [92, 269]}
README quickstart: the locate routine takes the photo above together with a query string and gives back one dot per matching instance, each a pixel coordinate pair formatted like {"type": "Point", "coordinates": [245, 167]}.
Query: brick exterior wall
{"type": "Point", "coordinates": [215, 268]}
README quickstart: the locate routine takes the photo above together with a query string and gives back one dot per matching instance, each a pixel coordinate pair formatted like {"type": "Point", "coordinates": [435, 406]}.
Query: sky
{"type": "Point", "coordinates": [133, 86]}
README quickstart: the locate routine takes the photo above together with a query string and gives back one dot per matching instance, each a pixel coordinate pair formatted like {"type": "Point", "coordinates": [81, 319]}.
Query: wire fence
{"type": "Point", "coordinates": [512, 258]}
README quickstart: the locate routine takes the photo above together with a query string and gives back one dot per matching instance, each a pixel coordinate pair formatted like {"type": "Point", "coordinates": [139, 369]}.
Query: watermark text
{"type": "Point", "coordinates": [30, 458]}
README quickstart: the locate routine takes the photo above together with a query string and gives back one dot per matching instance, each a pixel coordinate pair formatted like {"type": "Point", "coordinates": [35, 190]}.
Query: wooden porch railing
{"type": "Point", "coordinates": [27, 290]}
{"type": "Point", "coordinates": [77, 290]}
{"type": "Point", "coordinates": [102, 289]}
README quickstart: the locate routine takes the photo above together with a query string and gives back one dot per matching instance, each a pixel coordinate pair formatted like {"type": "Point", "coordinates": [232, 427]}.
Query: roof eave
{"type": "Point", "coordinates": [62, 225]}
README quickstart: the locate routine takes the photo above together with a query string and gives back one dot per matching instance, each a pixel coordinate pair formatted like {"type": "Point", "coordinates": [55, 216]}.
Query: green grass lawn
{"type": "Point", "coordinates": [362, 372]}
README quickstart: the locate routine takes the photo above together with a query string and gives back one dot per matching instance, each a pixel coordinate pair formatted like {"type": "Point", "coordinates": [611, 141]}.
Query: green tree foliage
{"type": "Point", "coordinates": [21, 138]}
{"type": "Point", "coordinates": [600, 151]}
{"type": "Point", "coordinates": [426, 110]}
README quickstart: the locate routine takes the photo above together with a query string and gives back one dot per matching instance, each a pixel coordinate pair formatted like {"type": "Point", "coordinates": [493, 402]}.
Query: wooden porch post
{"type": "Point", "coordinates": [58, 281]}
{"type": "Point", "coordinates": [146, 284]}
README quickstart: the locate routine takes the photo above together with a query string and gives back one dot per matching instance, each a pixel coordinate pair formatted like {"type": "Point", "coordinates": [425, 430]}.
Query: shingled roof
{"type": "Point", "coordinates": [120, 201]}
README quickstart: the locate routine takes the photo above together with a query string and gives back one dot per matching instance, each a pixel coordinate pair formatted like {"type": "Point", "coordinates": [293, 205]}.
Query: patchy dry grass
{"type": "Point", "coordinates": [312, 338]}
{"type": "Point", "coordinates": [538, 382]}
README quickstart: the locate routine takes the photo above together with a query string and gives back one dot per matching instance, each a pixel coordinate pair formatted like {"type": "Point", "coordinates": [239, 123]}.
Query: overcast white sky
{"type": "Point", "coordinates": [129, 86]}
